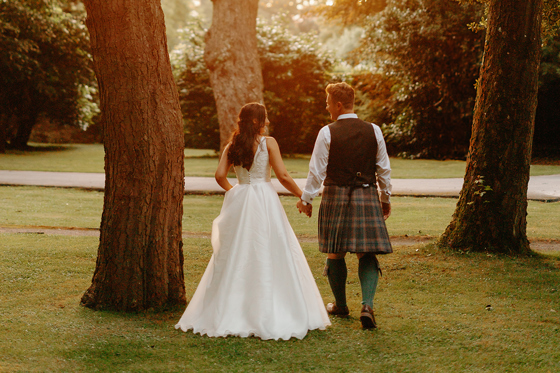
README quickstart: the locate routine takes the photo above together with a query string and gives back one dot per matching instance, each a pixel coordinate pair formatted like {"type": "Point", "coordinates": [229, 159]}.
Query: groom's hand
{"type": "Point", "coordinates": [307, 209]}
{"type": "Point", "coordinates": [386, 207]}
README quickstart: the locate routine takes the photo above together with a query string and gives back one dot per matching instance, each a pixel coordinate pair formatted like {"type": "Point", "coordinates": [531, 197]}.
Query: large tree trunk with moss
{"type": "Point", "coordinates": [492, 208]}
{"type": "Point", "coordinates": [140, 258]}
{"type": "Point", "coordinates": [231, 56]}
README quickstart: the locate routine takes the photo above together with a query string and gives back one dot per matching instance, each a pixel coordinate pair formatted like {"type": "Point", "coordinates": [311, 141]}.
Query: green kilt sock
{"type": "Point", "coordinates": [368, 272]}
{"type": "Point", "coordinates": [337, 273]}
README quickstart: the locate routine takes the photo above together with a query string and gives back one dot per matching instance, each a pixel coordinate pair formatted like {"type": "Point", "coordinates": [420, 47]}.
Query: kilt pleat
{"type": "Point", "coordinates": [352, 222]}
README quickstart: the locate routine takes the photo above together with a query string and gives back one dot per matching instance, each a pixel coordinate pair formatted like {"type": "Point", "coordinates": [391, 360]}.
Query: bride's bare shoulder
{"type": "Point", "coordinates": [270, 140]}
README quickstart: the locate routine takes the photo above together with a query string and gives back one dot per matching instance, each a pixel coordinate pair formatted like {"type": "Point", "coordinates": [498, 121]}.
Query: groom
{"type": "Point", "coordinates": [350, 157]}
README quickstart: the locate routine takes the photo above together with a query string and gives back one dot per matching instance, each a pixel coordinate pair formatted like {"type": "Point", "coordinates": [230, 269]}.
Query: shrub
{"type": "Point", "coordinates": [295, 73]}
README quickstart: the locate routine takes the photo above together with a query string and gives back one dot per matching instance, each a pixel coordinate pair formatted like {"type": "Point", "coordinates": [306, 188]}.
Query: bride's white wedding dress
{"type": "Point", "coordinates": [258, 281]}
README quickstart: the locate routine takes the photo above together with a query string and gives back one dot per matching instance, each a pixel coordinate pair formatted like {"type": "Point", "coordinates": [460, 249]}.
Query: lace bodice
{"type": "Point", "coordinates": [260, 170]}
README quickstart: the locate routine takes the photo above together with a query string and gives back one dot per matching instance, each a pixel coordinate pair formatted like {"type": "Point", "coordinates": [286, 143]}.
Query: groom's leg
{"type": "Point", "coordinates": [337, 274]}
{"type": "Point", "coordinates": [368, 272]}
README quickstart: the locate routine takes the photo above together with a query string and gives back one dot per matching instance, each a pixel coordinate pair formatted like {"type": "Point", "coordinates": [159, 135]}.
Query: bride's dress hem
{"type": "Point", "coordinates": [251, 333]}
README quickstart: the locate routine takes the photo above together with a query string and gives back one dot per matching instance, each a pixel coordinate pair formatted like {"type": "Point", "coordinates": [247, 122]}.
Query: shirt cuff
{"type": "Point", "coordinates": [306, 197]}
{"type": "Point", "coordinates": [385, 197]}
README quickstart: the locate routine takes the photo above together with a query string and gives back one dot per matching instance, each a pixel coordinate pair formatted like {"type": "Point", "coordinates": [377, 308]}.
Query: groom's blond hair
{"type": "Point", "coordinates": [341, 92]}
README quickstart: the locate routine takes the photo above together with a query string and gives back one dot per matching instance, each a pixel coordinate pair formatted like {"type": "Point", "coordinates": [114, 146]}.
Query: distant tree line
{"type": "Point", "coordinates": [45, 68]}
{"type": "Point", "coordinates": [415, 70]}
{"type": "Point", "coordinates": [416, 73]}
{"type": "Point", "coordinates": [426, 65]}
{"type": "Point", "coordinates": [423, 89]}
{"type": "Point", "coordinates": [294, 74]}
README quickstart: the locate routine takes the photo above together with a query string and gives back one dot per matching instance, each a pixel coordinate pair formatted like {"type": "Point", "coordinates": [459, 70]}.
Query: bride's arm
{"type": "Point", "coordinates": [223, 169]}
{"type": "Point", "coordinates": [280, 169]}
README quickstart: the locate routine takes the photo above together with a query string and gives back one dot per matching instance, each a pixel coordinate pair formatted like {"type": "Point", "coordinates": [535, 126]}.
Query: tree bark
{"type": "Point", "coordinates": [492, 208]}
{"type": "Point", "coordinates": [3, 132]}
{"type": "Point", "coordinates": [140, 258]}
{"type": "Point", "coordinates": [25, 124]}
{"type": "Point", "coordinates": [231, 56]}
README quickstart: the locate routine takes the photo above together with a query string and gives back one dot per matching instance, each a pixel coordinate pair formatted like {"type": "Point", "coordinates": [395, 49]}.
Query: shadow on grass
{"type": "Point", "coordinates": [206, 156]}
{"type": "Point", "coordinates": [40, 148]}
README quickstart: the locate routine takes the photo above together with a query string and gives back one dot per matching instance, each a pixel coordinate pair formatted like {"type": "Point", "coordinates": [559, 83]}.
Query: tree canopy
{"type": "Point", "coordinates": [432, 60]}
{"type": "Point", "coordinates": [415, 67]}
{"type": "Point", "coordinates": [294, 74]}
{"type": "Point", "coordinates": [45, 66]}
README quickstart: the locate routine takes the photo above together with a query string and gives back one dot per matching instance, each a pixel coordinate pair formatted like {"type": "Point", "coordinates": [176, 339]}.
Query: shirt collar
{"type": "Point", "coordinates": [347, 116]}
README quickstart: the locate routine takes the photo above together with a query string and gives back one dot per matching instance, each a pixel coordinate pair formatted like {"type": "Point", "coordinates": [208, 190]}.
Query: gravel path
{"type": "Point", "coordinates": [541, 188]}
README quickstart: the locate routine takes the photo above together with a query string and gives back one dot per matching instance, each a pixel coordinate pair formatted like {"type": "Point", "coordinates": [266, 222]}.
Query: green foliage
{"type": "Point", "coordinates": [294, 73]}
{"type": "Point", "coordinates": [420, 68]}
{"type": "Point", "coordinates": [550, 63]}
{"type": "Point", "coordinates": [296, 10]}
{"type": "Point", "coordinates": [198, 106]}
{"type": "Point", "coordinates": [547, 132]}
{"type": "Point", "coordinates": [45, 64]}
{"type": "Point", "coordinates": [551, 19]}
{"type": "Point", "coordinates": [427, 64]}
{"type": "Point", "coordinates": [350, 12]}
{"type": "Point", "coordinates": [340, 41]}
{"type": "Point", "coordinates": [177, 15]}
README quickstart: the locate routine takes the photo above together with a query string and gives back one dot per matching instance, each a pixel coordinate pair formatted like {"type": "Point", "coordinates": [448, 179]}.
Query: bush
{"type": "Point", "coordinates": [425, 51]}
{"type": "Point", "coordinates": [547, 117]}
{"type": "Point", "coordinates": [45, 68]}
{"type": "Point", "coordinates": [294, 74]}
{"type": "Point", "coordinates": [200, 117]}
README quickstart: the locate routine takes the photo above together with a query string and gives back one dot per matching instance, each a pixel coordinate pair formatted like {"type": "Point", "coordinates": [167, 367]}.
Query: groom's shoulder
{"type": "Point", "coordinates": [326, 126]}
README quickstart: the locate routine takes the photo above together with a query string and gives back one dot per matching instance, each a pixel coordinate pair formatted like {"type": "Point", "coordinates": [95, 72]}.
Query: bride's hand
{"type": "Point", "coordinates": [307, 209]}
{"type": "Point", "coordinates": [299, 206]}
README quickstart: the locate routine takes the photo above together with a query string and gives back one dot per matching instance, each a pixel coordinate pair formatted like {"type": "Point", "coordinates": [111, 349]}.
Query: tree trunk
{"type": "Point", "coordinates": [140, 258]}
{"type": "Point", "coordinates": [25, 124]}
{"type": "Point", "coordinates": [492, 208]}
{"type": "Point", "coordinates": [231, 56]}
{"type": "Point", "coordinates": [3, 132]}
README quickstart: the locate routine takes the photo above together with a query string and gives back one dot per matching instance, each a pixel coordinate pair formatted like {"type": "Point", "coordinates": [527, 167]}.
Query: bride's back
{"type": "Point", "coordinates": [260, 169]}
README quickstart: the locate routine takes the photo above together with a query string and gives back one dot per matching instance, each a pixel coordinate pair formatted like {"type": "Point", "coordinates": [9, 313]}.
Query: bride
{"type": "Point", "coordinates": [258, 282]}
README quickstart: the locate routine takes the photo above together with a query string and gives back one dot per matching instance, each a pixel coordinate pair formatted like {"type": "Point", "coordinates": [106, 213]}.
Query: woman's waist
{"type": "Point", "coordinates": [254, 181]}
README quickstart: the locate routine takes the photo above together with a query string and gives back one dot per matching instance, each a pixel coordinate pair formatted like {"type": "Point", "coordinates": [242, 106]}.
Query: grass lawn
{"type": "Point", "coordinates": [59, 207]}
{"type": "Point", "coordinates": [437, 312]}
{"type": "Point", "coordinates": [200, 162]}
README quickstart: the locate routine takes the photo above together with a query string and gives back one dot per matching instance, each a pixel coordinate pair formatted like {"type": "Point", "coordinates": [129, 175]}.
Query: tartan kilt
{"type": "Point", "coordinates": [352, 224]}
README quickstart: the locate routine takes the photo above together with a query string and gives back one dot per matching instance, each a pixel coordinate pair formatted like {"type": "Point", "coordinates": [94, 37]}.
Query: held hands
{"type": "Point", "coordinates": [305, 209]}
{"type": "Point", "coordinates": [386, 207]}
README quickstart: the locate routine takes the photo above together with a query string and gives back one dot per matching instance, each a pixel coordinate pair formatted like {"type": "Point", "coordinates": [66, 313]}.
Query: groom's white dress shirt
{"type": "Point", "coordinates": [320, 159]}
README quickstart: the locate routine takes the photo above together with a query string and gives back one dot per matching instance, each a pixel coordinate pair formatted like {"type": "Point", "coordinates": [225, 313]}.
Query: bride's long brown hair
{"type": "Point", "coordinates": [241, 151]}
